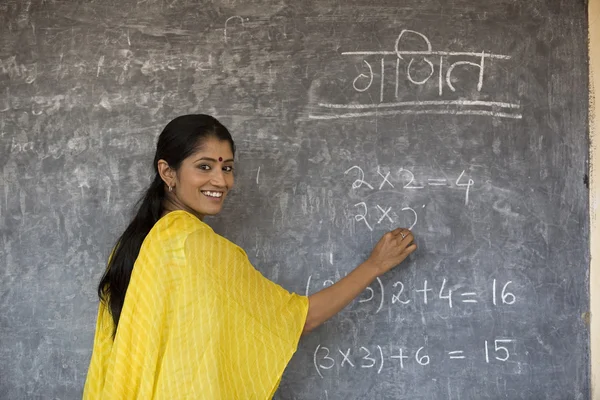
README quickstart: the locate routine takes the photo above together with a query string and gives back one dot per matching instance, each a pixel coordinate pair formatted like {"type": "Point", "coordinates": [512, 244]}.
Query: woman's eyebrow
{"type": "Point", "coordinates": [212, 159]}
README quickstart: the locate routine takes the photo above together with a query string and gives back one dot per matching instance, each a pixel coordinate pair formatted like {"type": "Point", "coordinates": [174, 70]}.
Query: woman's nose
{"type": "Point", "coordinates": [218, 178]}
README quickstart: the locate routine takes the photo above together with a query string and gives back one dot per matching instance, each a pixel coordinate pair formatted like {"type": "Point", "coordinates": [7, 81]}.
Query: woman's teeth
{"type": "Point", "coordinates": [212, 194]}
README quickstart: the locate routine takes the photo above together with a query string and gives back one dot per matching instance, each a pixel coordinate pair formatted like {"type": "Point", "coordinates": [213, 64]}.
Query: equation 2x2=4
{"type": "Point", "coordinates": [385, 182]}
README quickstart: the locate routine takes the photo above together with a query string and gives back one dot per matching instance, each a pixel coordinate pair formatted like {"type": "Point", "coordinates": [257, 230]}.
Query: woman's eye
{"type": "Point", "coordinates": [204, 167]}
{"type": "Point", "coordinates": [228, 169]}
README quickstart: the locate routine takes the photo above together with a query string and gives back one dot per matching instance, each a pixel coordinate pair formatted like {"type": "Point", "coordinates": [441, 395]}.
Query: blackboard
{"type": "Point", "coordinates": [465, 120]}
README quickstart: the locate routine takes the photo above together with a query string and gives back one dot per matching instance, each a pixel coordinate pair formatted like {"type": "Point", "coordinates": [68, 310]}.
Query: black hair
{"type": "Point", "coordinates": [178, 140]}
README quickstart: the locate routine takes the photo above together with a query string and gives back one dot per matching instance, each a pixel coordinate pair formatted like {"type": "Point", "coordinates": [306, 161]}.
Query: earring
{"type": "Point", "coordinates": [170, 188]}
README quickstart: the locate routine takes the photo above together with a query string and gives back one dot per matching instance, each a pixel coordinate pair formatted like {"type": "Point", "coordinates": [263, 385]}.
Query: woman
{"type": "Point", "coordinates": [183, 314]}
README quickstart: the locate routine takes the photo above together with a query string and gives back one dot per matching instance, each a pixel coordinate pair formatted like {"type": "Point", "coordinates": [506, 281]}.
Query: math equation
{"type": "Point", "coordinates": [495, 350]}
{"type": "Point", "coordinates": [382, 182]}
{"type": "Point", "coordinates": [499, 293]}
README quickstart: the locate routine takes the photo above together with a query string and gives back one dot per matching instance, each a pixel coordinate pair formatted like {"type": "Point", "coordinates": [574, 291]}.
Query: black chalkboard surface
{"type": "Point", "coordinates": [464, 120]}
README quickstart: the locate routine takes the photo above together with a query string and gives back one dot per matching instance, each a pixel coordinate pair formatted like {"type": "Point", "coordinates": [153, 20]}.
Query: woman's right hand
{"type": "Point", "coordinates": [391, 250]}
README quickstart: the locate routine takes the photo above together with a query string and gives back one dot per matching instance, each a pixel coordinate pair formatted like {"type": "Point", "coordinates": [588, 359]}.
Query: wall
{"type": "Point", "coordinates": [594, 27]}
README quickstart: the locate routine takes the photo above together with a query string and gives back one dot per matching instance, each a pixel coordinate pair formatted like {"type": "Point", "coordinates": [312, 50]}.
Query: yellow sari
{"type": "Point", "coordinates": [198, 322]}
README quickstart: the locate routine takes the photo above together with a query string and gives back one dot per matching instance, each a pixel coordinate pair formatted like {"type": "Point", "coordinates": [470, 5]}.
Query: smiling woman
{"type": "Point", "coordinates": [183, 314]}
{"type": "Point", "coordinates": [203, 180]}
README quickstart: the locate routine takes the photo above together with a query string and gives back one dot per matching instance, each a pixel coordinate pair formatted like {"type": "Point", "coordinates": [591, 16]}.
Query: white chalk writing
{"type": "Point", "coordinates": [418, 68]}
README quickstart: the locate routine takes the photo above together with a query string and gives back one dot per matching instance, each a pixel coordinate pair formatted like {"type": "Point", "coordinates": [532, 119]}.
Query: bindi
{"type": "Point", "coordinates": [220, 158]}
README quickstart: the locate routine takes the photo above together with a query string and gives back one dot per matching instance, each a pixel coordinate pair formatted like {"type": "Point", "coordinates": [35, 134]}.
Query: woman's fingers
{"type": "Point", "coordinates": [406, 237]}
{"type": "Point", "coordinates": [393, 248]}
{"type": "Point", "coordinates": [406, 252]}
{"type": "Point", "coordinates": [404, 244]}
{"type": "Point", "coordinates": [411, 247]}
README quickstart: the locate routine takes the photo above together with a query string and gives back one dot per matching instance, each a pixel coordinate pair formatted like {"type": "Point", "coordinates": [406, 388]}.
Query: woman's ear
{"type": "Point", "coordinates": [166, 173]}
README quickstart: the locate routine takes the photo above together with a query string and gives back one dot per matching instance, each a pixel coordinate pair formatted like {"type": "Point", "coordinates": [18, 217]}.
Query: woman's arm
{"type": "Point", "coordinates": [390, 251]}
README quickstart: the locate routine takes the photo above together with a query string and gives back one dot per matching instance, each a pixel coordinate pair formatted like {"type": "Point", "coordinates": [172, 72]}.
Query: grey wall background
{"type": "Point", "coordinates": [85, 88]}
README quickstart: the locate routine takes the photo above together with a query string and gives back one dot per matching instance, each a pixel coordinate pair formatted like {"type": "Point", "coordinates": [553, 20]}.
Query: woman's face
{"type": "Point", "coordinates": [204, 178]}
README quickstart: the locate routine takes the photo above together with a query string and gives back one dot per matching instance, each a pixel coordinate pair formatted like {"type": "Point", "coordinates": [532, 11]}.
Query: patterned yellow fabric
{"type": "Point", "coordinates": [199, 322]}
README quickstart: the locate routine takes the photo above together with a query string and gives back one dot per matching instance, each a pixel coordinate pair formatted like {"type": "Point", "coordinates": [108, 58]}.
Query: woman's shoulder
{"type": "Point", "coordinates": [173, 229]}
{"type": "Point", "coordinates": [182, 222]}
{"type": "Point", "coordinates": [181, 226]}
{"type": "Point", "coordinates": [201, 235]}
